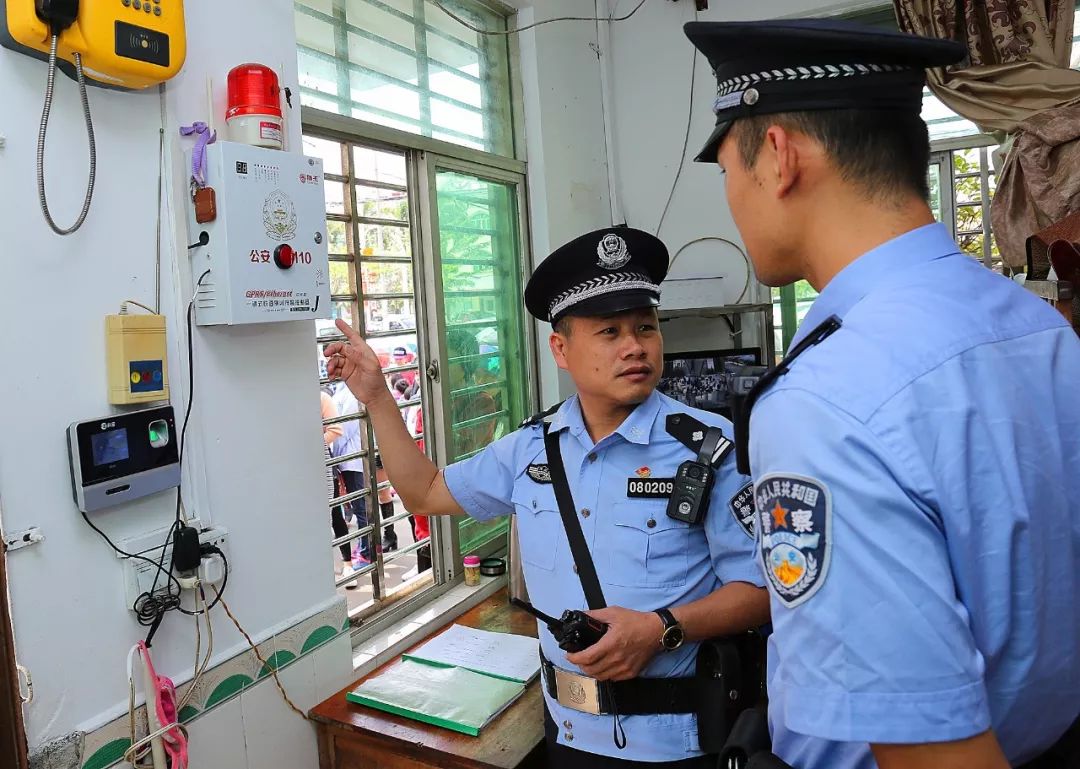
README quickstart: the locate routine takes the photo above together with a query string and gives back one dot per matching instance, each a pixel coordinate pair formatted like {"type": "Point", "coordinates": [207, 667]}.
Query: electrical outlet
{"type": "Point", "coordinates": [139, 575]}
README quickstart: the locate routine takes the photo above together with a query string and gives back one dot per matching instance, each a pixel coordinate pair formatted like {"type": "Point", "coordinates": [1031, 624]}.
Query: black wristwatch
{"type": "Point", "coordinates": [673, 636]}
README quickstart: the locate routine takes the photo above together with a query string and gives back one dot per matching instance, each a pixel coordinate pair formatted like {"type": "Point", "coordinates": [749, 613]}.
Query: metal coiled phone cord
{"type": "Point", "coordinates": [41, 143]}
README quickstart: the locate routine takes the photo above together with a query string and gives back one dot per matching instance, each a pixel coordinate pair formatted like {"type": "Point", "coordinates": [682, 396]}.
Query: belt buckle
{"type": "Point", "coordinates": [577, 692]}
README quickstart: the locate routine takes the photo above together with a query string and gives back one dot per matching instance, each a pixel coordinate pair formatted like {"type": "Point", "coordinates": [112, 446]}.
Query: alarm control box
{"type": "Point", "coordinates": [263, 257]}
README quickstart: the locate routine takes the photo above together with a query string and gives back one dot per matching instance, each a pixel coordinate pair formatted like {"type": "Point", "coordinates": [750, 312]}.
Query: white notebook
{"type": "Point", "coordinates": [502, 655]}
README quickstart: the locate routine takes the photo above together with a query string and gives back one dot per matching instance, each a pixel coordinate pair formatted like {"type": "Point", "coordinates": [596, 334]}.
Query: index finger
{"type": "Point", "coordinates": [348, 331]}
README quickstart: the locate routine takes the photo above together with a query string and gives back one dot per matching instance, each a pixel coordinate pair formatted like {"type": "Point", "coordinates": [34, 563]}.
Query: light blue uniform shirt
{"type": "Point", "coordinates": [917, 478]}
{"type": "Point", "coordinates": [644, 560]}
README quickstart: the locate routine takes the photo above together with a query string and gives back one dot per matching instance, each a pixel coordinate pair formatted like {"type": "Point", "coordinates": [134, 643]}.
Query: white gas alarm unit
{"type": "Point", "coordinates": [258, 237]}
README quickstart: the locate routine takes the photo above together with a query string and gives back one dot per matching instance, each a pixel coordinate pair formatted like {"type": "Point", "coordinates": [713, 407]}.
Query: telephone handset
{"type": "Point", "coordinates": [125, 44]}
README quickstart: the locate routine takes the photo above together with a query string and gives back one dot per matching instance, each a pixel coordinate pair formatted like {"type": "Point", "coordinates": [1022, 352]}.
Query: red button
{"type": "Point", "coordinates": [284, 256]}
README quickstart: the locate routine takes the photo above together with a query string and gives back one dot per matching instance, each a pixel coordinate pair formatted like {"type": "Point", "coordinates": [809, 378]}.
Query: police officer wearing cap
{"type": "Point", "coordinates": [916, 457]}
{"type": "Point", "coordinates": [668, 584]}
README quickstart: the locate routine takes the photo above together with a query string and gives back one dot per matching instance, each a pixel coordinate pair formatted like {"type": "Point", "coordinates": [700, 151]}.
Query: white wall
{"type": "Point", "coordinates": [568, 184]}
{"type": "Point", "coordinates": [649, 76]}
{"type": "Point", "coordinates": [254, 442]}
{"type": "Point", "coordinates": [652, 60]}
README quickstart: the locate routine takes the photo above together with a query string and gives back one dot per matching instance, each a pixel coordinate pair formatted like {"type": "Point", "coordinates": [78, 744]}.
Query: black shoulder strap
{"type": "Point", "coordinates": [590, 583]}
{"type": "Point", "coordinates": [714, 447]}
{"type": "Point", "coordinates": [740, 411]}
{"type": "Point", "coordinates": [536, 419]}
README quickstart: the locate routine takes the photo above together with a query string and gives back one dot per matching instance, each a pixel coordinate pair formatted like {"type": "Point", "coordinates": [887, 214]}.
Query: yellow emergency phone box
{"type": "Point", "coordinates": [135, 358]}
{"type": "Point", "coordinates": [125, 44]}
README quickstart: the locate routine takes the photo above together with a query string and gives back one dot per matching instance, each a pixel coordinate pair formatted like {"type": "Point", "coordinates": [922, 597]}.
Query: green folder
{"type": "Point", "coordinates": [451, 697]}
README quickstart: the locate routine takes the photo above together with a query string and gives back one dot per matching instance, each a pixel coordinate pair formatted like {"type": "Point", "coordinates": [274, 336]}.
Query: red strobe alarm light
{"type": "Point", "coordinates": [254, 111]}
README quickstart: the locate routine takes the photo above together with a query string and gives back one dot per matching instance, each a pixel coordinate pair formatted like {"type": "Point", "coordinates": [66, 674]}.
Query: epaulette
{"type": "Point", "coordinates": [536, 419]}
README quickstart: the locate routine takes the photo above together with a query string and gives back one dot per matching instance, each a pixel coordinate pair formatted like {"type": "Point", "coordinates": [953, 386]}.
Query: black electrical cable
{"type": "Point", "coordinates": [146, 615]}
{"type": "Point", "coordinates": [150, 607]}
{"type": "Point", "coordinates": [191, 390]}
{"type": "Point", "coordinates": [686, 139]}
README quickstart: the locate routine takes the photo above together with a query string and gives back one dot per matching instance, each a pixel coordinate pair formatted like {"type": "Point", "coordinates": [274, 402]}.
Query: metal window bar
{"type": "Point", "coordinates": [381, 593]}
{"type": "Point", "coordinates": [377, 222]}
{"type": "Point", "coordinates": [373, 184]}
{"type": "Point", "coordinates": [384, 259]}
{"type": "Point", "coordinates": [482, 419]}
{"type": "Point", "coordinates": [984, 190]}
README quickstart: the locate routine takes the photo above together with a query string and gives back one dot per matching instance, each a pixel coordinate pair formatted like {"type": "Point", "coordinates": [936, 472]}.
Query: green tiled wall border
{"type": "Point", "coordinates": [105, 746]}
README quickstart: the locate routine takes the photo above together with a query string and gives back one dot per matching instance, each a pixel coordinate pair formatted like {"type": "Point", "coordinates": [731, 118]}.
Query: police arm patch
{"type": "Point", "coordinates": [742, 508]}
{"type": "Point", "coordinates": [795, 516]}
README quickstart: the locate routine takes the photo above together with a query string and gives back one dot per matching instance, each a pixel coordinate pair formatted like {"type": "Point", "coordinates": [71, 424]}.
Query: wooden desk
{"type": "Point", "coordinates": [355, 737]}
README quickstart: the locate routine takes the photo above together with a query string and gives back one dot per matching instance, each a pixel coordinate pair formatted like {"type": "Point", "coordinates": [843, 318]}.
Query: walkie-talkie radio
{"type": "Point", "coordinates": [574, 632]}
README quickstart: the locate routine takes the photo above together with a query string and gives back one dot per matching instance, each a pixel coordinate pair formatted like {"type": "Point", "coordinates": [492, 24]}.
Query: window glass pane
{"type": "Point", "coordinates": [384, 240]}
{"type": "Point", "coordinates": [337, 237]}
{"type": "Point", "coordinates": [375, 166]}
{"type": "Point", "coordinates": [341, 281]}
{"type": "Point", "coordinates": [381, 203]}
{"type": "Point", "coordinates": [934, 183]}
{"type": "Point", "coordinates": [335, 197]}
{"type": "Point", "coordinates": [1075, 61]}
{"type": "Point", "coordinates": [386, 277]}
{"type": "Point", "coordinates": [389, 315]}
{"type": "Point", "coordinates": [480, 252]}
{"type": "Point", "coordinates": [328, 151]}
{"type": "Point", "coordinates": [408, 65]}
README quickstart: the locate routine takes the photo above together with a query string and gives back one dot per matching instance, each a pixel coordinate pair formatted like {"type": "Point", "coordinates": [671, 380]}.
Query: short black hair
{"type": "Point", "coordinates": [562, 325]}
{"type": "Point", "coordinates": [885, 152]}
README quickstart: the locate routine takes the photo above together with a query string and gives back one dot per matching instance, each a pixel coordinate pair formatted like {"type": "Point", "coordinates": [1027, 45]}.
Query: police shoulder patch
{"type": "Point", "coordinates": [795, 515]}
{"type": "Point", "coordinates": [742, 508]}
{"type": "Point", "coordinates": [539, 473]}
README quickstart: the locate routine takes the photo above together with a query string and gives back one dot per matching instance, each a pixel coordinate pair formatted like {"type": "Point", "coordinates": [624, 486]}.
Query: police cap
{"type": "Point", "coordinates": [807, 65]}
{"type": "Point", "coordinates": [601, 273]}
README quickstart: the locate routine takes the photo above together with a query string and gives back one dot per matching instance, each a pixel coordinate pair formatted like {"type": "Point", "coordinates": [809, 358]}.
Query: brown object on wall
{"type": "Point", "coordinates": [13, 750]}
{"type": "Point", "coordinates": [1058, 246]}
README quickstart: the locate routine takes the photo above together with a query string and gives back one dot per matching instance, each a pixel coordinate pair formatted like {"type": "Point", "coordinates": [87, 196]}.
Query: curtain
{"type": "Point", "coordinates": [1017, 83]}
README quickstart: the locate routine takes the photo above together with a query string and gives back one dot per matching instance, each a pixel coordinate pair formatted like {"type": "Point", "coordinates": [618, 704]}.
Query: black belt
{"type": "Point", "coordinates": [635, 697]}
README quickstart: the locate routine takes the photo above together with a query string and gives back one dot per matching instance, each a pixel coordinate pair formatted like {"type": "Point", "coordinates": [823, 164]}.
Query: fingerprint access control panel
{"type": "Point", "coordinates": [122, 457]}
{"type": "Point", "coordinates": [260, 256]}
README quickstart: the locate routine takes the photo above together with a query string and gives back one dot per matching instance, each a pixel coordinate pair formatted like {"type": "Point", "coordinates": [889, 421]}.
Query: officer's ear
{"type": "Point", "coordinates": [558, 342]}
{"type": "Point", "coordinates": [785, 153]}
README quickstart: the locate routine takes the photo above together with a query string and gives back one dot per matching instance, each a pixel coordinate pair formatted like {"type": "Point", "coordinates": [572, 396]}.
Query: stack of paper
{"type": "Point", "coordinates": [502, 655]}
{"type": "Point", "coordinates": [460, 680]}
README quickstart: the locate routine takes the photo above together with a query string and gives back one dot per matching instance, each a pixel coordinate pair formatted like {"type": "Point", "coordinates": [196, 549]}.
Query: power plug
{"type": "Point", "coordinates": [212, 569]}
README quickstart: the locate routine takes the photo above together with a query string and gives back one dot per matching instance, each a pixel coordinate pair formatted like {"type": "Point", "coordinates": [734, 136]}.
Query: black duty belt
{"type": "Point", "coordinates": [634, 697]}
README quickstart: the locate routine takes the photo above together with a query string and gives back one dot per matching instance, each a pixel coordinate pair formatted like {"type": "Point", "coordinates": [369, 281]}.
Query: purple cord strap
{"type": "Point", "coordinates": [198, 154]}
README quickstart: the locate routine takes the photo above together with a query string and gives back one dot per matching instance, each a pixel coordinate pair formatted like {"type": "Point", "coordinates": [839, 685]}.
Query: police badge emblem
{"type": "Point", "coordinates": [279, 216]}
{"type": "Point", "coordinates": [795, 515]}
{"type": "Point", "coordinates": [612, 252]}
{"type": "Point", "coordinates": [539, 473]}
